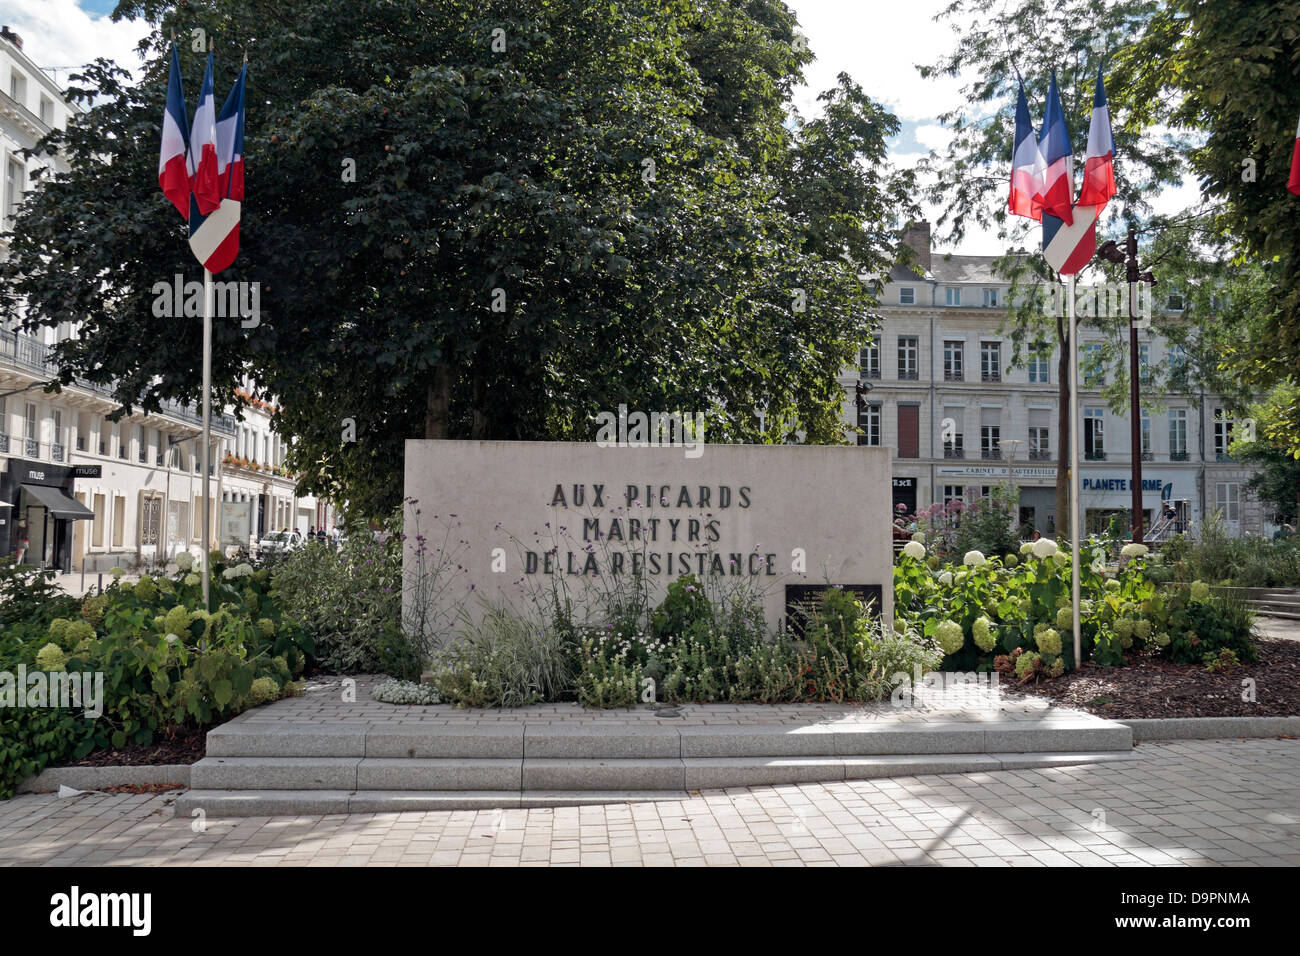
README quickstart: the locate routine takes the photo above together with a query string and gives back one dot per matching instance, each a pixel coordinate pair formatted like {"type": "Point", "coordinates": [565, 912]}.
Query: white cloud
{"type": "Point", "coordinates": [60, 36]}
{"type": "Point", "coordinates": [932, 135]}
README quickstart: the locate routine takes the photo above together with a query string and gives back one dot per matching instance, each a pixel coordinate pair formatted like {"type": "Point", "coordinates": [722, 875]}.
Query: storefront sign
{"type": "Point", "coordinates": [1023, 472]}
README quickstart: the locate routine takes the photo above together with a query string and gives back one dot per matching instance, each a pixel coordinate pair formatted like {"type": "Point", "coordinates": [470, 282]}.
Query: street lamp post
{"type": "Point", "coordinates": [1133, 274]}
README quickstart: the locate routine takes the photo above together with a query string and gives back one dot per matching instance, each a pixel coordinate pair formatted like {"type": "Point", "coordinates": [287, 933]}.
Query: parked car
{"type": "Point", "coordinates": [279, 543]}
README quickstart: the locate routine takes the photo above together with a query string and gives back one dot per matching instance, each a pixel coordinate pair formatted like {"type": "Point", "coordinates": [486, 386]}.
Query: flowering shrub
{"type": "Point", "coordinates": [405, 692]}
{"type": "Point", "coordinates": [991, 604]}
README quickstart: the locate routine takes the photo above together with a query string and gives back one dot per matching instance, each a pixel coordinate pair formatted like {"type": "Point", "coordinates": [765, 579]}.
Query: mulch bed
{"type": "Point", "coordinates": [1151, 687]}
{"type": "Point", "coordinates": [185, 746]}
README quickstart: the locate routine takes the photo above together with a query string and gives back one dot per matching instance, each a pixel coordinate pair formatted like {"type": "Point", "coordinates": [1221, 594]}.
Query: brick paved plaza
{"type": "Point", "coordinates": [1196, 803]}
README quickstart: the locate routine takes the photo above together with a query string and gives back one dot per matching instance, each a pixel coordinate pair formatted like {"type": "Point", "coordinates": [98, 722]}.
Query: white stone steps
{"type": "Point", "coordinates": [272, 786]}
{"type": "Point", "coordinates": [592, 741]}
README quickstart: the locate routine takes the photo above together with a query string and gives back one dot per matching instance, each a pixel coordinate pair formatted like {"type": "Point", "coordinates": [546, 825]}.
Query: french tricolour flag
{"type": "Point", "coordinates": [1099, 166]}
{"type": "Point", "coordinates": [203, 149]}
{"type": "Point", "coordinates": [214, 236]}
{"type": "Point", "coordinates": [1293, 183]}
{"type": "Point", "coordinates": [230, 142]}
{"type": "Point", "coordinates": [1058, 157]}
{"type": "Point", "coordinates": [173, 168]}
{"type": "Point", "coordinates": [1027, 165]}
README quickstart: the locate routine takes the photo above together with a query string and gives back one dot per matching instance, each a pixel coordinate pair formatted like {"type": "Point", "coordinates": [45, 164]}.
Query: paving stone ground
{"type": "Point", "coordinates": [1186, 803]}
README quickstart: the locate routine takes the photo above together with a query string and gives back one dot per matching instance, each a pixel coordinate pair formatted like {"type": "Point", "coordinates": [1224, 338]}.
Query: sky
{"type": "Point", "coordinates": [877, 42]}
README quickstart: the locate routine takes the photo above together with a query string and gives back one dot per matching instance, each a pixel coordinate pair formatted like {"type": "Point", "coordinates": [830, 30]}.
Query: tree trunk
{"type": "Point", "coordinates": [1063, 426]}
{"type": "Point", "coordinates": [479, 424]}
{"type": "Point", "coordinates": [437, 409]}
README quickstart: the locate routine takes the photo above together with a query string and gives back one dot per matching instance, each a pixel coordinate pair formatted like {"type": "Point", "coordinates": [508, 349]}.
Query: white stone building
{"type": "Point", "coordinates": [941, 353]}
{"type": "Point", "coordinates": [78, 490]}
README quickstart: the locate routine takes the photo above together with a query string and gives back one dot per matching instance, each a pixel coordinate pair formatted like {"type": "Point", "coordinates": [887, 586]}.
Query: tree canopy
{"type": "Point", "coordinates": [487, 220]}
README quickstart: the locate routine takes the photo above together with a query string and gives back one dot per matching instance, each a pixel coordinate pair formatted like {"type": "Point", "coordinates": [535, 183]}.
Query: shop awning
{"type": "Point", "coordinates": [59, 504]}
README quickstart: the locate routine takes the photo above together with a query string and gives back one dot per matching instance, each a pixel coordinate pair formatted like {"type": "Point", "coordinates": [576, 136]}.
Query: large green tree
{"type": "Point", "coordinates": [1230, 71]}
{"type": "Point", "coordinates": [557, 207]}
{"type": "Point", "coordinates": [1002, 44]}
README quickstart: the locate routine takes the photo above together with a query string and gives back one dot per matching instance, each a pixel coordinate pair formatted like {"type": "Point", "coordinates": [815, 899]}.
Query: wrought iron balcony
{"type": "Point", "coordinates": [957, 452]}
{"type": "Point", "coordinates": [4, 444]}
{"type": "Point", "coordinates": [1147, 456]}
{"type": "Point", "coordinates": [1039, 454]}
{"type": "Point", "coordinates": [953, 376]}
{"type": "Point", "coordinates": [993, 376]}
{"type": "Point", "coordinates": [31, 448]}
{"type": "Point", "coordinates": [1094, 455]}
{"type": "Point", "coordinates": [907, 375]}
{"type": "Point", "coordinates": [23, 351]}
{"type": "Point", "coordinates": [1178, 456]}
{"type": "Point", "coordinates": [56, 452]}
{"type": "Point", "coordinates": [991, 454]}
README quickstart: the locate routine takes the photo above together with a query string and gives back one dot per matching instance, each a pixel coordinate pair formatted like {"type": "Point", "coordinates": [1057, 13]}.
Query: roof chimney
{"type": "Point", "coordinates": [12, 37]}
{"type": "Point", "coordinates": [917, 238]}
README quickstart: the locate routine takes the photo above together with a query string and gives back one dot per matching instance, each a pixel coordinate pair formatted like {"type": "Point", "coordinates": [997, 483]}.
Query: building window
{"type": "Point", "coordinates": [1227, 500]}
{"type": "Point", "coordinates": [31, 437]}
{"type": "Point", "coordinates": [101, 518]}
{"type": "Point", "coordinates": [1094, 434]}
{"type": "Point", "coordinates": [1146, 437]}
{"type": "Point", "coordinates": [870, 360]}
{"type": "Point", "coordinates": [953, 493]}
{"type": "Point", "coordinates": [990, 298]}
{"type": "Point", "coordinates": [951, 432]}
{"type": "Point", "coordinates": [952, 296]}
{"type": "Point", "coordinates": [47, 111]}
{"type": "Point", "coordinates": [1178, 434]}
{"type": "Point", "coordinates": [1177, 359]}
{"type": "Point", "coordinates": [1039, 443]}
{"type": "Point", "coordinates": [1174, 302]}
{"type": "Point", "coordinates": [906, 295]}
{"type": "Point", "coordinates": [991, 442]}
{"type": "Point", "coordinates": [141, 445]}
{"type": "Point", "coordinates": [150, 519]}
{"type": "Point", "coordinates": [119, 520]}
{"type": "Point", "coordinates": [18, 86]}
{"type": "Point", "coordinates": [1222, 435]}
{"type": "Point", "coordinates": [57, 450]}
{"type": "Point", "coordinates": [1038, 364]}
{"type": "Point", "coordinates": [1094, 376]}
{"type": "Point", "coordinates": [13, 189]}
{"type": "Point", "coordinates": [105, 436]}
{"type": "Point", "coordinates": [869, 423]}
{"type": "Point", "coordinates": [1144, 364]}
{"type": "Point", "coordinates": [953, 355]}
{"type": "Point", "coordinates": [908, 365]}
{"type": "Point", "coordinates": [990, 361]}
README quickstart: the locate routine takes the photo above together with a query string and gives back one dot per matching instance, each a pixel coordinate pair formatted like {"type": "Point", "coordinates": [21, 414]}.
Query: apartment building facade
{"type": "Point", "coordinates": [77, 489]}
{"type": "Point", "coordinates": [961, 420]}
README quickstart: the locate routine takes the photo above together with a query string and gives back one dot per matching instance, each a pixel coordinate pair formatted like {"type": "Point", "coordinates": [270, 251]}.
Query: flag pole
{"type": "Point", "coordinates": [1075, 529]}
{"type": "Point", "coordinates": [207, 430]}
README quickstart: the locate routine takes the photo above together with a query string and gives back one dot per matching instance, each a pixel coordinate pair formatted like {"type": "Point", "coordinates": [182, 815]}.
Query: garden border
{"type": "Point", "coordinates": [1208, 728]}
{"type": "Point", "coordinates": [93, 778]}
